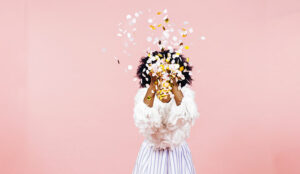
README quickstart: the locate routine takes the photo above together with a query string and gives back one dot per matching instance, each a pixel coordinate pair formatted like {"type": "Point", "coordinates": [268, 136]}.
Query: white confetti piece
{"type": "Point", "coordinates": [203, 37]}
{"type": "Point", "coordinates": [174, 38]}
{"type": "Point", "coordinates": [136, 14]}
{"type": "Point", "coordinates": [165, 11]}
{"type": "Point", "coordinates": [166, 34]}
{"type": "Point", "coordinates": [170, 48]}
{"type": "Point", "coordinates": [150, 20]}
{"type": "Point", "coordinates": [128, 16]}
{"type": "Point", "coordinates": [128, 35]}
{"type": "Point", "coordinates": [191, 30]}
{"type": "Point", "coordinates": [130, 67]}
{"type": "Point", "coordinates": [133, 20]}
{"type": "Point", "coordinates": [149, 39]}
{"type": "Point", "coordinates": [134, 79]}
{"type": "Point", "coordinates": [186, 22]}
{"type": "Point", "coordinates": [119, 34]}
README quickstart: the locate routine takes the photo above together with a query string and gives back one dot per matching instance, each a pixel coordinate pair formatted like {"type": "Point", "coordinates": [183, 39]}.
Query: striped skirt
{"type": "Point", "coordinates": [167, 161]}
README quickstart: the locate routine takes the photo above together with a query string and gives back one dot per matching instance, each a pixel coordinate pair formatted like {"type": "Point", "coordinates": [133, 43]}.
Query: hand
{"type": "Point", "coordinates": [174, 82]}
{"type": "Point", "coordinates": [178, 95]}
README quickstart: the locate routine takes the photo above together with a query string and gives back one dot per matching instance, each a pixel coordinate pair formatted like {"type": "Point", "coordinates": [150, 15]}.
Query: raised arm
{"type": "Point", "coordinates": [150, 94]}
{"type": "Point", "coordinates": [146, 117]}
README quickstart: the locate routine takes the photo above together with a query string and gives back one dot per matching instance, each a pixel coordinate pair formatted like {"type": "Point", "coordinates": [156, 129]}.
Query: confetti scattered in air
{"type": "Point", "coordinates": [160, 32]}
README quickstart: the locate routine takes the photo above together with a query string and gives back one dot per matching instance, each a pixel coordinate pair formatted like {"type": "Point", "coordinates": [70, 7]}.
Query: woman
{"type": "Point", "coordinates": [165, 122]}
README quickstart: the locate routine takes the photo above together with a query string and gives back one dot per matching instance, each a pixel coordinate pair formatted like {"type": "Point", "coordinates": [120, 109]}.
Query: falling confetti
{"type": "Point", "coordinates": [152, 27]}
{"type": "Point", "coordinates": [161, 32]}
{"type": "Point", "coordinates": [149, 39]}
{"type": "Point", "coordinates": [117, 60]}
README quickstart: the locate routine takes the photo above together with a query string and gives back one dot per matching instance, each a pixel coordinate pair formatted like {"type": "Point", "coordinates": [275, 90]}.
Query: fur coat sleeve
{"type": "Point", "coordinates": [165, 125]}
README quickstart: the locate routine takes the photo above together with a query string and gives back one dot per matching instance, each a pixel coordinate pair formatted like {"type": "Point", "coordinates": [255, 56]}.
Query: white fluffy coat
{"type": "Point", "coordinates": [165, 125]}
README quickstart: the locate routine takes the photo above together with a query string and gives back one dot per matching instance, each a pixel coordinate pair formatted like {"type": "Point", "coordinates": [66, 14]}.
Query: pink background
{"type": "Point", "coordinates": [66, 107]}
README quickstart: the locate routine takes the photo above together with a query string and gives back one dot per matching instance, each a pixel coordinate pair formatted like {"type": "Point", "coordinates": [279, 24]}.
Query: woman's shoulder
{"type": "Point", "coordinates": [140, 93]}
{"type": "Point", "coordinates": [187, 89]}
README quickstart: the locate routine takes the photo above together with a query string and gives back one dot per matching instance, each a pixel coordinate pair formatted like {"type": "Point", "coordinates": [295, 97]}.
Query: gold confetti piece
{"type": "Point", "coordinates": [181, 68]}
{"type": "Point", "coordinates": [164, 28]}
{"type": "Point", "coordinates": [159, 25]}
{"type": "Point", "coordinates": [183, 29]}
{"type": "Point", "coordinates": [184, 35]}
{"type": "Point", "coordinates": [187, 59]}
{"type": "Point", "coordinates": [158, 13]}
{"type": "Point", "coordinates": [152, 27]}
{"type": "Point", "coordinates": [167, 20]}
{"type": "Point", "coordinates": [166, 85]}
{"type": "Point", "coordinates": [181, 44]}
{"type": "Point", "coordinates": [186, 47]}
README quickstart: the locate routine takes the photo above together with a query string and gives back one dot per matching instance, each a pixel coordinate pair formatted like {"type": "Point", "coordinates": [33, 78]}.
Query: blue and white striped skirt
{"type": "Point", "coordinates": [166, 161]}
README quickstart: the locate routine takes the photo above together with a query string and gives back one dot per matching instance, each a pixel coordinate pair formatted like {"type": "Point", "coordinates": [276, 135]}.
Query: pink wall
{"type": "Point", "coordinates": [63, 111]}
